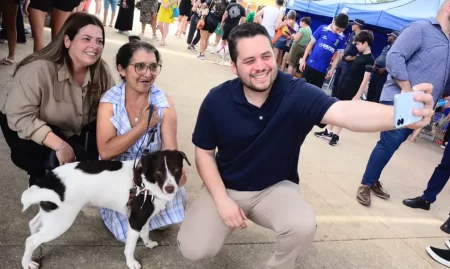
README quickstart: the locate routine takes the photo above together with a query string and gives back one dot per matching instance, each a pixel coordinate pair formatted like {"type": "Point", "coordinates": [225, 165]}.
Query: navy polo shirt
{"type": "Point", "coordinates": [259, 147]}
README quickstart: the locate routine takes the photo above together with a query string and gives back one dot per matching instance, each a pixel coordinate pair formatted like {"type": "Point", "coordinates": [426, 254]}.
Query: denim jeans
{"type": "Point", "coordinates": [389, 142]}
{"type": "Point", "coordinates": [439, 178]}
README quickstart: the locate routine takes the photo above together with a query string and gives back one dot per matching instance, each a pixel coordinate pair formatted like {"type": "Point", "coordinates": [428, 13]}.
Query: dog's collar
{"type": "Point", "coordinates": [136, 191]}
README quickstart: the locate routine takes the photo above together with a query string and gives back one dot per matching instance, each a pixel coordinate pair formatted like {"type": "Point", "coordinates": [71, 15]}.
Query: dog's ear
{"type": "Point", "coordinates": [184, 157]}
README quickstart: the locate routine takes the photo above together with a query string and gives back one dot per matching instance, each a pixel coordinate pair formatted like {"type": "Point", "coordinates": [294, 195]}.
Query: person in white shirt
{"type": "Point", "coordinates": [270, 15]}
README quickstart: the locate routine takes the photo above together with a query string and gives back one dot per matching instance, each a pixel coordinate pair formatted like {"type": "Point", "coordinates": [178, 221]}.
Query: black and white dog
{"type": "Point", "coordinates": [139, 192]}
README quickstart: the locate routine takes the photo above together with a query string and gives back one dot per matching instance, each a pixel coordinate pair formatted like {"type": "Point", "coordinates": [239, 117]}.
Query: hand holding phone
{"type": "Point", "coordinates": [414, 109]}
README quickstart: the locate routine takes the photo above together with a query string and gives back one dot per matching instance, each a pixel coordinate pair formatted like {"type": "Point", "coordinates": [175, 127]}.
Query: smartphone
{"type": "Point", "coordinates": [404, 104]}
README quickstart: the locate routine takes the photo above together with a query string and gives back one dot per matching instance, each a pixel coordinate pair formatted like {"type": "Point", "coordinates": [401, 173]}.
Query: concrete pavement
{"type": "Point", "coordinates": [386, 235]}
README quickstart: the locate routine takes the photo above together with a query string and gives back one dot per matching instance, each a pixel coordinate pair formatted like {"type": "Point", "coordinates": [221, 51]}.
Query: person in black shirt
{"type": "Point", "coordinates": [347, 58]}
{"type": "Point", "coordinates": [234, 14]}
{"type": "Point", "coordinates": [355, 82]}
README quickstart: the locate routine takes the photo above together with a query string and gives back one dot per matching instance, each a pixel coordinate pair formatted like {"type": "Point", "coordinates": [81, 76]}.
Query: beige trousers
{"type": "Point", "coordinates": [280, 208]}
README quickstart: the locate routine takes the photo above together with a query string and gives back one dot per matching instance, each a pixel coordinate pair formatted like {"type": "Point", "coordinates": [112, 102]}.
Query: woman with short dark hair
{"type": "Point", "coordinates": [125, 127]}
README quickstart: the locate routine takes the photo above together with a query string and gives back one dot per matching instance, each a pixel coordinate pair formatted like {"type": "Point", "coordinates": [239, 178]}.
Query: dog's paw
{"type": "Point", "coordinates": [133, 264]}
{"type": "Point", "coordinates": [151, 244]}
{"type": "Point", "coordinates": [30, 265]}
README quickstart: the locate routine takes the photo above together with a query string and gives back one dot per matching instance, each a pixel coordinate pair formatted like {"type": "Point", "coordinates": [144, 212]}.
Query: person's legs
{"type": "Point", "coordinates": [58, 18]}
{"type": "Point", "coordinates": [181, 25]}
{"type": "Point", "coordinates": [114, 4]}
{"type": "Point", "coordinates": [294, 56]}
{"type": "Point", "coordinates": [283, 209]}
{"type": "Point", "coordinates": [439, 178]}
{"type": "Point", "coordinates": [196, 38]}
{"type": "Point", "coordinates": [317, 78]}
{"type": "Point", "coordinates": [11, 31]}
{"type": "Point", "coordinates": [446, 137]}
{"type": "Point", "coordinates": [371, 91]}
{"type": "Point", "coordinates": [61, 10]}
{"type": "Point", "coordinates": [337, 75]}
{"type": "Point", "coordinates": [203, 40]}
{"type": "Point", "coordinates": [154, 16]}
{"type": "Point", "coordinates": [164, 32]}
{"type": "Point", "coordinates": [285, 57]}
{"type": "Point", "coordinates": [344, 71]}
{"type": "Point", "coordinates": [389, 142]}
{"type": "Point", "coordinates": [276, 53]}
{"type": "Point", "coordinates": [203, 232]}
{"type": "Point", "coordinates": [414, 135]}
{"type": "Point", "coordinates": [21, 35]}
{"type": "Point", "coordinates": [188, 19]}
{"type": "Point", "coordinates": [37, 22]}
{"type": "Point", "coordinates": [98, 7]}
{"type": "Point", "coordinates": [25, 154]}
{"type": "Point", "coordinates": [106, 5]}
{"type": "Point", "coordinates": [192, 29]}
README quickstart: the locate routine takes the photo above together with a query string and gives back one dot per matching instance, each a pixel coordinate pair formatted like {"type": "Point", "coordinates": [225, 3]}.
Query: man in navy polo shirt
{"type": "Point", "coordinates": [326, 41]}
{"type": "Point", "coordinates": [258, 123]}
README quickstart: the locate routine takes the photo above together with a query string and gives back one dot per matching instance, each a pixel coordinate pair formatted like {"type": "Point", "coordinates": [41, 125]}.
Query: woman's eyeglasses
{"type": "Point", "coordinates": [141, 68]}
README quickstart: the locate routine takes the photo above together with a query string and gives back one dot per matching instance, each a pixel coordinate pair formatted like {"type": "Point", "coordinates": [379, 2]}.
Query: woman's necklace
{"type": "Point", "coordinates": [136, 119]}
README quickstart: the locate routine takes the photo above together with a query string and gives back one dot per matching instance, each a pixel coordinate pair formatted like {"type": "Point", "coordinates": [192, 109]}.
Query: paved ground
{"type": "Point", "coordinates": [387, 235]}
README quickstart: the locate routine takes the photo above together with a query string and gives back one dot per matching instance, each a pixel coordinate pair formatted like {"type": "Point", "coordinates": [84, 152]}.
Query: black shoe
{"type": "Point", "coordinates": [324, 134]}
{"type": "Point", "coordinates": [334, 140]}
{"type": "Point", "coordinates": [442, 256]}
{"type": "Point", "coordinates": [417, 202]}
{"type": "Point", "coordinates": [446, 226]}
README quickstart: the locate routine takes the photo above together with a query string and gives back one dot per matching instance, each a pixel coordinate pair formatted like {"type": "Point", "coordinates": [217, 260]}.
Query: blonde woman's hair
{"type": "Point", "coordinates": [57, 52]}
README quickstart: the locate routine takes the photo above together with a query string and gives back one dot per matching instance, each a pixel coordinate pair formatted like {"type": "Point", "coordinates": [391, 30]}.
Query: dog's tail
{"type": "Point", "coordinates": [35, 195]}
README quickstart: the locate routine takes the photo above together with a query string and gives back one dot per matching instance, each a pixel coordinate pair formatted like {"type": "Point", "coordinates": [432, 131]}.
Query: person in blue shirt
{"type": "Point", "coordinates": [326, 41]}
{"type": "Point", "coordinates": [380, 73]}
{"type": "Point", "coordinates": [247, 141]}
{"type": "Point", "coordinates": [348, 57]}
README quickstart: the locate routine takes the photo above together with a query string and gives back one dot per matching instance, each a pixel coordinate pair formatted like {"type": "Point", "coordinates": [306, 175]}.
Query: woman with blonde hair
{"type": "Point", "coordinates": [49, 117]}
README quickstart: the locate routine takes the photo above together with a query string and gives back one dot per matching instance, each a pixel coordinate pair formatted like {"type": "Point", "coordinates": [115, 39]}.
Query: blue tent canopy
{"type": "Point", "coordinates": [391, 15]}
{"type": "Point", "coordinates": [398, 17]}
{"type": "Point", "coordinates": [322, 8]}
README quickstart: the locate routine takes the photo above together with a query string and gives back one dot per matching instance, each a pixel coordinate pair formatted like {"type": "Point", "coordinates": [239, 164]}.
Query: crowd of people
{"type": "Point", "coordinates": [66, 104]}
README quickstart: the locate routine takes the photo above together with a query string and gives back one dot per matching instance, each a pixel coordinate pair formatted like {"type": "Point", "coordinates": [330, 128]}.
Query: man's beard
{"type": "Point", "coordinates": [251, 87]}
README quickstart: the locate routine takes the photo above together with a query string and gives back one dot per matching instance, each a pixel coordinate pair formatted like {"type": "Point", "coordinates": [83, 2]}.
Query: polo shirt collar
{"type": "Point", "coordinates": [65, 74]}
{"type": "Point", "coordinates": [238, 91]}
{"type": "Point", "coordinates": [433, 20]}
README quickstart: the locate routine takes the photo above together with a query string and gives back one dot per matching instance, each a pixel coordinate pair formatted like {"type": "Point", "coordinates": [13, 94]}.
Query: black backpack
{"type": "Point", "coordinates": [216, 12]}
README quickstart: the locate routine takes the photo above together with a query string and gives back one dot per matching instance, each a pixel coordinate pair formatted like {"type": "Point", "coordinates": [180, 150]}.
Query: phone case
{"type": "Point", "coordinates": [404, 104]}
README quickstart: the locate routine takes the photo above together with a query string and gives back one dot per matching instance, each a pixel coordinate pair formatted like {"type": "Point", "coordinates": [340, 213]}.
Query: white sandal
{"type": "Point", "coordinates": [6, 61]}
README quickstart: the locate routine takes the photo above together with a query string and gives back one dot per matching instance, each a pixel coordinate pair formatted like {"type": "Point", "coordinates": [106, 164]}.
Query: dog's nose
{"type": "Point", "coordinates": [169, 189]}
